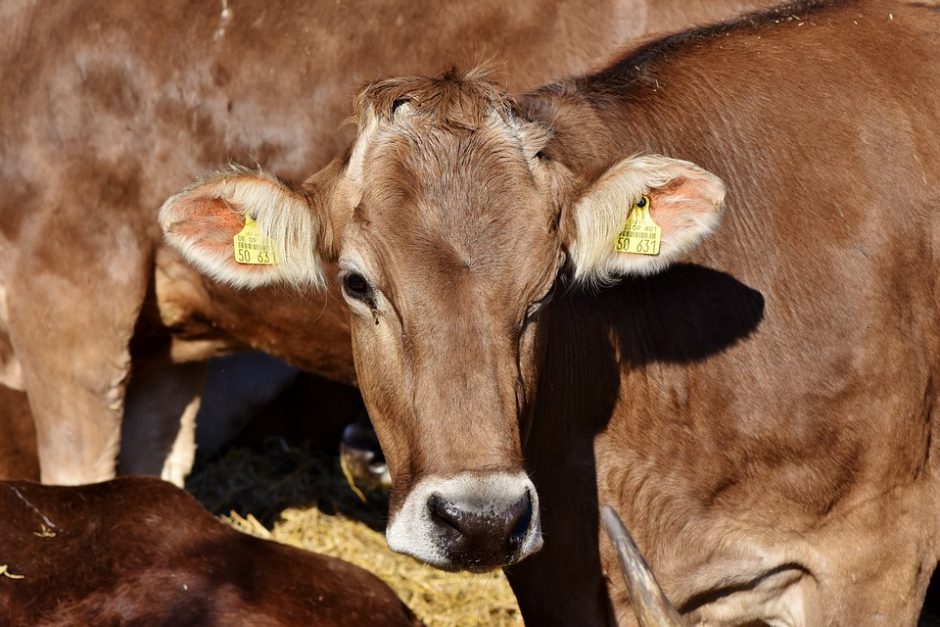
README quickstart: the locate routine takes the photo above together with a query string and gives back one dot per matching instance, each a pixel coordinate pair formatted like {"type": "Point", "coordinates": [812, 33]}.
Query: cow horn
{"type": "Point", "coordinates": [649, 602]}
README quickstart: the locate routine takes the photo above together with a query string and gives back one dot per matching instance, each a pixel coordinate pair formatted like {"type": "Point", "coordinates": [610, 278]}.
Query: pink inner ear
{"type": "Point", "coordinates": [682, 203]}
{"type": "Point", "coordinates": [202, 222]}
{"type": "Point", "coordinates": [206, 222]}
{"type": "Point", "coordinates": [202, 215]}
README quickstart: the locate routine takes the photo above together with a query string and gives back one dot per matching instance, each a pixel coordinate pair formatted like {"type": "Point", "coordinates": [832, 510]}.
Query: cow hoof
{"type": "Point", "coordinates": [362, 460]}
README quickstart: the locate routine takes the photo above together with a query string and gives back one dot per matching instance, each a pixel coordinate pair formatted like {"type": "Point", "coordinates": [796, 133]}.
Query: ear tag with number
{"type": "Point", "coordinates": [251, 247]}
{"type": "Point", "coordinates": [640, 235]}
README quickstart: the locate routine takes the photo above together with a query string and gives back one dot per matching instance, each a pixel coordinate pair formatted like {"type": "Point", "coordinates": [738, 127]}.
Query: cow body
{"type": "Point", "coordinates": [140, 551]}
{"type": "Point", "coordinates": [109, 106]}
{"type": "Point", "coordinates": [764, 416]}
{"type": "Point", "coordinates": [760, 408]}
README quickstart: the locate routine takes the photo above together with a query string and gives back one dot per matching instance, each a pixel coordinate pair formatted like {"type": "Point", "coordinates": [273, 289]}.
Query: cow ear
{"type": "Point", "coordinates": [248, 229]}
{"type": "Point", "coordinates": [641, 215]}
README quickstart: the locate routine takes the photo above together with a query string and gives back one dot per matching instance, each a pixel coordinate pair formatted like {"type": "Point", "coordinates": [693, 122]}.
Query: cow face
{"type": "Point", "coordinates": [450, 230]}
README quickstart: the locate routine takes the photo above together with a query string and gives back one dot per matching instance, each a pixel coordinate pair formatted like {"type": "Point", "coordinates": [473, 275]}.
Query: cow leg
{"type": "Point", "coordinates": [76, 390]}
{"type": "Point", "coordinates": [11, 373]}
{"type": "Point", "coordinates": [179, 463]}
{"type": "Point", "coordinates": [17, 437]}
{"type": "Point", "coordinates": [159, 429]}
{"type": "Point", "coordinates": [74, 294]}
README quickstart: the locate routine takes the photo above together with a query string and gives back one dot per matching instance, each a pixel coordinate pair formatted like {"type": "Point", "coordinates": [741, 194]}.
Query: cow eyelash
{"type": "Point", "coordinates": [561, 282]}
{"type": "Point", "coordinates": [535, 307]}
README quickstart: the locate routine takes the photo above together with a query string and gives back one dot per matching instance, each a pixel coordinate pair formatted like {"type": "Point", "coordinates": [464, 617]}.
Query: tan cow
{"type": "Point", "coordinates": [109, 106]}
{"type": "Point", "coordinates": [760, 407]}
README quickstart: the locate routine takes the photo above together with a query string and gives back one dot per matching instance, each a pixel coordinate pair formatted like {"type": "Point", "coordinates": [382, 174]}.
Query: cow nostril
{"type": "Point", "coordinates": [441, 513]}
{"type": "Point", "coordinates": [522, 514]}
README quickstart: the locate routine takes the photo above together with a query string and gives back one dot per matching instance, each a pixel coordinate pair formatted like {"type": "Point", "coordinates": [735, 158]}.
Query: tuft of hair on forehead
{"type": "Point", "coordinates": [455, 99]}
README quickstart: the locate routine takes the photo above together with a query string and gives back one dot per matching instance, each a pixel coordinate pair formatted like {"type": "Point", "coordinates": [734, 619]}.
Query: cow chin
{"type": "Point", "coordinates": [470, 521]}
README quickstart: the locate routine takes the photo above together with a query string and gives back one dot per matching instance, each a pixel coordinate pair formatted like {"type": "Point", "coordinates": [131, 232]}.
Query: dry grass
{"type": "Point", "coordinates": [300, 497]}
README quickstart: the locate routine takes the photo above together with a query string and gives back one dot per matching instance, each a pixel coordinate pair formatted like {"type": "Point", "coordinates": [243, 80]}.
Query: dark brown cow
{"type": "Point", "coordinates": [760, 407]}
{"type": "Point", "coordinates": [139, 551]}
{"type": "Point", "coordinates": [108, 106]}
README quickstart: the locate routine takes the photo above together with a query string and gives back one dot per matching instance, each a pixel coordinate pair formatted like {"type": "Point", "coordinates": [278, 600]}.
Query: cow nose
{"type": "Point", "coordinates": [478, 539]}
{"type": "Point", "coordinates": [468, 521]}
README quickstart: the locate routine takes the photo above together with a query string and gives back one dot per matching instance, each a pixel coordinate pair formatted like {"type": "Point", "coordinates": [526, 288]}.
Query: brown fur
{"type": "Point", "coordinates": [138, 551]}
{"type": "Point", "coordinates": [17, 437]}
{"type": "Point", "coordinates": [132, 101]}
{"type": "Point", "coordinates": [777, 399]}
{"type": "Point", "coordinates": [762, 415]}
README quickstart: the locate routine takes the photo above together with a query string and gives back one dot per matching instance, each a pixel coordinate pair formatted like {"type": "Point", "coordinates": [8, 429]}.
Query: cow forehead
{"type": "Point", "coordinates": [456, 204]}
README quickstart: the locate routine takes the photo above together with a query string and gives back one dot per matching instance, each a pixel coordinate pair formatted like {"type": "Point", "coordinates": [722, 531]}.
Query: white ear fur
{"type": "Point", "coordinates": [685, 201]}
{"type": "Point", "coordinates": [201, 221]}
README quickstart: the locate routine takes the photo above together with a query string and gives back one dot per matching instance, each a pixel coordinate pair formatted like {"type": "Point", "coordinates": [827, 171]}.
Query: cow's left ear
{"type": "Point", "coordinates": [641, 215]}
{"type": "Point", "coordinates": [249, 229]}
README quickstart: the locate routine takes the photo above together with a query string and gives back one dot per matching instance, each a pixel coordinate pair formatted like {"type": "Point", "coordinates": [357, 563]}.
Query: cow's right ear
{"type": "Point", "coordinates": [248, 229]}
{"type": "Point", "coordinates": [641, 215]}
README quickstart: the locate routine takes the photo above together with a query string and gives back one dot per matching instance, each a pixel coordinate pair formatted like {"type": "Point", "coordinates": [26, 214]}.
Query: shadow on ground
{"type": "Point", "coordinates": [264, 480]}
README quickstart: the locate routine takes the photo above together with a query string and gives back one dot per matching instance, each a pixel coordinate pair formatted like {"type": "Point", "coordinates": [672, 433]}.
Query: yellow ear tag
{"type": "Point", "coordinates": [640, 235]}
{"type": "Point", "coordinates": [251, 247]}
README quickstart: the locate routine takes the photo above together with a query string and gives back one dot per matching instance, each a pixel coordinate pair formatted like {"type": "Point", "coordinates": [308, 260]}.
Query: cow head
{"type": "Point", "coordinates": [450, 230]}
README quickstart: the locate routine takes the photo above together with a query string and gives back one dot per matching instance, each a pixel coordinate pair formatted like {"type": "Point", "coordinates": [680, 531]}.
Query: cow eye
{"type": "Point", "coordinates": [356, 286]}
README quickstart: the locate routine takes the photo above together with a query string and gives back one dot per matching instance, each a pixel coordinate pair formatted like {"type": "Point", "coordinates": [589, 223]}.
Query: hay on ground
{"type": "Point", "coordinates": [299, 496]}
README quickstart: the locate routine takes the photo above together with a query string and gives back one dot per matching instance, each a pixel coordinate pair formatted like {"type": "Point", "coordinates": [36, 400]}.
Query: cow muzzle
{"type": "Point", "coordinates": [468, 522]}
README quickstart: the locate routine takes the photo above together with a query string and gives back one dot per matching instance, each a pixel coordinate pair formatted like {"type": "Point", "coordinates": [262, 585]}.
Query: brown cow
{"type": "Point", "coordinates": [17, 437]}
{"type": "Point", "coordinates": [760, 408]}
{"type": "Point", "coordinates": [108, 106]}
{"type": "Point", "coordinates": [139, 551]}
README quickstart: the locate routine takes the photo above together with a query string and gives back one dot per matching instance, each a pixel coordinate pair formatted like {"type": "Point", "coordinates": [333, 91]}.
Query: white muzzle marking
{"type": "Point", "coordinates": [412, 530]}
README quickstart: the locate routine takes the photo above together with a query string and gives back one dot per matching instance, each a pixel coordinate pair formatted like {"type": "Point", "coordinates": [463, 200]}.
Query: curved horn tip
{"type": "Point", "coordinates": [650, 603]}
